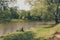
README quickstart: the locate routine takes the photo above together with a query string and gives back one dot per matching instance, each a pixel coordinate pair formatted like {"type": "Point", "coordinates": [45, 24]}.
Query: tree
{"type": "Point", "coordinates": [5, 12]}
{"type": "Point", "coordinates": [57, 4]}
{"type": "Point", "coordinates": [4, 4]}
{"type": "Point", "coordinates": [39, 9]}
{"type": "Point", "coordinates": [5, 16]}
{"type": "Point", "coordinates": [47, 9]}
{"type": "Point", "coordinates": [14, 14]}
{"type": "Point", "coordinates": [25, 15]}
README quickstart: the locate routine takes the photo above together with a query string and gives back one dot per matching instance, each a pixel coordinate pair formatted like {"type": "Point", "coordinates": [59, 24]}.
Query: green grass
{"type": "Point", "coordinates": [44, 32]}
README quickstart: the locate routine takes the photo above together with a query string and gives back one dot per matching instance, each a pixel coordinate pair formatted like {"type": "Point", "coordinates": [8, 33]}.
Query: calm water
{"type": "Point", "coordinates": [10, 27]}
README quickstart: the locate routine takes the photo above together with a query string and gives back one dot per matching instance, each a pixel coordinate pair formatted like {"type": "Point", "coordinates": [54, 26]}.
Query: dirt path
{"type": "Point", "coordinates": [57, 35]}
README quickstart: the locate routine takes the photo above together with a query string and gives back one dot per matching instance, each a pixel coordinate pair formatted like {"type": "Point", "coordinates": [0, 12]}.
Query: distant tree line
{"type": "Point", "coordinates": [49, 8]}
{"type": "Point", "coordinates": [7, 13]}
{"type": "Point", "coordinates": [41, 10]}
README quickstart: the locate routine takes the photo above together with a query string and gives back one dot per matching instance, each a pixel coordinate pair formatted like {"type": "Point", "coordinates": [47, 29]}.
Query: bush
{"type": "Point", "coordinates": [14, 14]}
{"type": "Point", "coordinates": [5, 16]}
{"type": "Point", "coordinates": [20, 36]}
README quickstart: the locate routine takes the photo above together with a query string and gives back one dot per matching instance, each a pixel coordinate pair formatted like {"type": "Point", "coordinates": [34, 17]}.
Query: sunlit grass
{"type": "Point", "coordinates": [45, 32]}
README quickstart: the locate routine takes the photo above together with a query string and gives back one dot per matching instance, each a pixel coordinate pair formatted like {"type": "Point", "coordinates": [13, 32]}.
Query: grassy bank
{"type": "Point", "coordinates": [44, 32]}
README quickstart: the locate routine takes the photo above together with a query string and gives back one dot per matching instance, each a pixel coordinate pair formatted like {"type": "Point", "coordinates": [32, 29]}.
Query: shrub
{"type": "Point", "coordinates": [5, 16]}
{"type": "Point", "coordinates": [20, 36]}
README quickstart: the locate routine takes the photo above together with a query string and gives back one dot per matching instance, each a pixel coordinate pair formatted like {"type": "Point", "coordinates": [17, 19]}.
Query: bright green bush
{"type": "Point", "coordinates": [20, 36]}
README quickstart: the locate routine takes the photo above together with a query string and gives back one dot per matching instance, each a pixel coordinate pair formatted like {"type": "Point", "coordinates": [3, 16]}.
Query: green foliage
{"type": "Point", "coordinates": [24, 15]}
{"type": "Point", "coordinates": [6, 12]}
{"type": "Point", "coordinates": [41, 10]}
{"type": "Point", "coordinates": [47, 10]}
{"type": "Point", "coordinates": [14, 14]}
{"type": "Point", "coordinates": [5, 16]}
{"type": "Point", "coordinates": [20, 36]}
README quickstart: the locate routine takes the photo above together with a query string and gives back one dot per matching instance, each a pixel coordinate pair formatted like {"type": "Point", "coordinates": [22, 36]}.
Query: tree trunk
{"type": "Point", "coordinates": [56, 15]}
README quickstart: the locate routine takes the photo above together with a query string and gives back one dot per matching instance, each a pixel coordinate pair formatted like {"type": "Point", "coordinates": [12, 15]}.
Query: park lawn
{"type": "Point", "coordinates": [45, 32]}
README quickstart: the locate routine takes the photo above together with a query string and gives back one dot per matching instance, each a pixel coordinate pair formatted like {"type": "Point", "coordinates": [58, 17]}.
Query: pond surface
{"type": "Point", "coordinates": [10, 27]}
